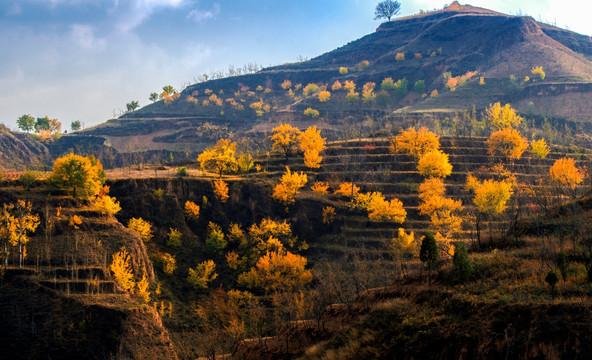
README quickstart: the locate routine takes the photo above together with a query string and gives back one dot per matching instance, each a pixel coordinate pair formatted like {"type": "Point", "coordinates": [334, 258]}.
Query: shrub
{"type": "Point", "coordinates": [538, 70]}
{"type": "Point", "coordinates": [182, 171]}
{"type": "Point", "coordinates": [28, 178]}
{"type": "Point", "coordinates": [419, 86]}
{"type": "Point", "coordinates": [310, 89]}
{"type": "Point", "coordinates": [328, 214]}
{"type": "Point", "coordinates": [387, 84]}
{"type": "Point", "coordinates": [215, 240]}
{"type": "Point", "coordinates": [191, 210]}
{"type": "Point", "coordinates": [462, 267]}
{"type": "Point", "coordinates": [400, 56]}
{"type": "Point", "coordinates": [320, 187]}
{"type": "Point", "coordinates": [286, 84]}
{"type": "Point", "coordinates": [324, 96]}
{"type": "Point", "coordinates": [141, 227]}
{"type": "Point", "coordinates": [310, 112]}
{"type": "Point", "coordinates": [175, 238]}
{"type": "Point", "coordinates": [343, 70]}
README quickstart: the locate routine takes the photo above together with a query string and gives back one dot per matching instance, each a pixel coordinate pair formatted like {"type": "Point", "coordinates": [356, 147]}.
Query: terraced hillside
{"type": "Point", "coordinates": [368, 164]}
{"type": "Point", "coordinates": [64, 299]}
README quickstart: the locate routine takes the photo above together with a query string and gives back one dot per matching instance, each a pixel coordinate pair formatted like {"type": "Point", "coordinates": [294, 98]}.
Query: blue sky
{"type": "Point", "coordinates": [85, 59]}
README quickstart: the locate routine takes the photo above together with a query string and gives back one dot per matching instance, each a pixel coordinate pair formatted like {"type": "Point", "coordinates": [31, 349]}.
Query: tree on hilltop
{"type": "Point", "coordinates": [387, 9]}
{"type": "Point", "coordinates": [83, 175]}
{"type": "Point", "coordinates": [26, 122]}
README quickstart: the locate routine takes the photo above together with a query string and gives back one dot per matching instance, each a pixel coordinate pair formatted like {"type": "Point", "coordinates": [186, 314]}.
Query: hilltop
{"type": "Point", "coordinates": [486, 55]}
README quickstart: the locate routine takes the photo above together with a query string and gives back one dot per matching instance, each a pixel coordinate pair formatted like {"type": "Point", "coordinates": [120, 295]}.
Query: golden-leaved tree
{"type": "Point", "coordinates": [220, 158]}
{"type": "Point", "coordinates": [491, 198]}
{"type": "Point", "coordinates": [285, 139]}
{"type": "Point", "coordinates": [434, 164]}
{"type": "Point", "coordinates": [539, 149]}
{"type": "Point", "coordinates": [507, 143]}
{"type": "Point", "coordinates": [141, 227]}
{"type": "Point", "coordinates": [502, 117]}
{"type": "Point", "coordinates": [202, 275]}
{"type": "Point", "coordinates": [277, 271]}
{"type": "Point", "coordinates": [290, 184]}
{"type": "Point", "coordinates": [415, 143]}
{"type": "Point", "coordinates": [121, 270]}
{"type": "Point", "coordinates": [312, 144]}
{"type": "Point", "coordinates": [565, 173]}
{"type": "Point", "coordinates": [16, 221]}
{"type": "Point", "coordinates": [84, 176]}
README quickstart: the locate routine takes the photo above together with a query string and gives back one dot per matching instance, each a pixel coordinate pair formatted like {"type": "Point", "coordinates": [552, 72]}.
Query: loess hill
{"type": "Point", "coordinates": [488, 54]}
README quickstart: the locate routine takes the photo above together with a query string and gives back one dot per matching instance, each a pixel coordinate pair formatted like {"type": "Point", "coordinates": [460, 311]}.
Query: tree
{"type": "Point", "coordinates": [215, 240]}
{"type": "Point", "coordinates": [565, 173]}
{"type": "Point", "coordinates": [387, 9]}
{"type": "Point", "coordinates": [428, 252]}
{"type": "Point", "coordinates": [191, 210]}
{"type": "Point", "coordinates": [203, 274]}
{"type": "Point", "coordinates": [415, 143]}
{"type": "Point", "coordinates": [220, 158]}
{"type": "Point", "coordinates": [507, 143]}
{"type": "Point", "coordinates": [276, 271]}
{"type": "Point", "coordinates": [175, 238]}
{"type": "Point", "coordinates": [121, 270]}
{"type": "Point", "coordinates": [107, 205]}
{"type": "Point", "coordinates": [142, 227]}
{"type": "Point", "coordinates": [75, 125]}
{"type": "Point", "coordinates": [153, 97]}
{"type": "Point", "coordinates": [419, 86]}
{"type": "Point", "coordinates": [42, 124]}
{"type": "Point", "coordinates": [17, 221]}
{"type": "Point", "coordinates": [285, 139]}
{"type": "Point", "coordinates": [245, 163]}
{"type": "Point", "coordinates": [221, 190]}
{"type": "Point", "coordinates": [143, 292]}
{"type": "Point", "coordinates": [461, 263]}
{"type": "Point", "coordinates": [313, 113]}
{"type": "Point", "coordinates": [380, 209]}
{"type": "Point", "coordinates": [26, 122]}
{"type": "Point", "coordinates": [290, 184]}
{"type": "Point", "coordinates": [312, 144]}
{"type": "Point", "coordinates": [324, 96]}
{"type": "Point", "coordinates": [551, 279]}
{"type": "Point", "coordinates": [434, 164]}
{"type": "Point", "coordinates": [491, 198]}
{"type": "Point", "coordinates": [83, 175]}
{"type": "Point", "coordinates": [502, 117]}
{"type": "Point", "coordinates": [539, 149]}
{"type": "Point", "coordinates": [131, 106]}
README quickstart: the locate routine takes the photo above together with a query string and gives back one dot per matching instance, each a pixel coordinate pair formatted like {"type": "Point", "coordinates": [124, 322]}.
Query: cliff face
{"type": "Point", "coordinates": [64, 302]}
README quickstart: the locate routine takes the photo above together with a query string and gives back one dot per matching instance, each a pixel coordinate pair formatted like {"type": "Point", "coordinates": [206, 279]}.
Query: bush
{"type": "Point", "coordinates": [182, 171]}
{"type": "Point", "coordinates": [175, 238]}
{"type": "Point", "coordinates": [27, 179]}
{"type": "Point", "coordinates": [343, 70]}
{"type": "Point", "coordinates": [462, 267]}
{"type": "Point", "coordinates": [310, 112]}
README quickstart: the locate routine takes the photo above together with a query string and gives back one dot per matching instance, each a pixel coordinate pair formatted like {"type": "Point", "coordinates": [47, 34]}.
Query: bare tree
{"type": "Point", "coordinates": [387, 9]}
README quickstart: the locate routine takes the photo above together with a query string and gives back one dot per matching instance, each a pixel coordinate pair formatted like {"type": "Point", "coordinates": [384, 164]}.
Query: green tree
{"type": "Point", "coordinates": [215, 240]}
{"type": "Point", "coordinates": [551, 279]}
{"type": "Point", "coordinates": [153, 97]}
{"type": "Point", "coordinates": [419, 86]}
{"type": "Point", "coordinates": [428, 252]}
{"type": "Point", "coordinates": [75, 125]}
{"type": "Point", "coordinates": [26, 122]}
{"type": "Point", "coordinates": [131, 106]}
{"type": "Point", "coordinates": [463, 269]}
{"type": "Point", "coordinates": [387, 9]}
{"type": "Point", "coordinates": [42, 124]}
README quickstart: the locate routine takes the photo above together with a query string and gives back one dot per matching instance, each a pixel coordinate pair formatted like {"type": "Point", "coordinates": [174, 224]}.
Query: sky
{"type": "Point", "coordinates": [85, 59]}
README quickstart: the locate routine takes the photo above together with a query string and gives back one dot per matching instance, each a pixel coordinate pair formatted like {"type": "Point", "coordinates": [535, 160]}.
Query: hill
{"type": "Point", "coordinates": [447, 61]}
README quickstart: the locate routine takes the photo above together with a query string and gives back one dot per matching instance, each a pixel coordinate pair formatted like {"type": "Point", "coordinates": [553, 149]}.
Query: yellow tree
{"type": "Point", "coordinates": [324, 96]}
{"type": "Point", "coordinates": [141, 227]}
{"type": "Point", "coordinates": [83, 175]}
{"type": "Point", "coordinates": [502, 117]}
{"type": "Point", "coordinates": [6, 229]}
{"type": "Point", "coordinates": [380, 209]}
{"type": "Point", "coordinates": [277, 271]}
{"type": "Point", "coordinates": [434, 164]}
{"type": "Point", "coordinates": [491, 198]}
{"type": "Point", "coordinates": [221, 190]}
{"type": "Point", "coordinates": [415, 143]}
{"type": "Point", "coordinates": [565, 173]}
{"type": "Point", "coordinates": [122, 270]}
{"type": "Point", "coordinates": [220, 158]}
{"type": "Point", "coordinates": [290, 184]}
{"type": "Point", "coordinates": [312, 159]}
{"type": "Point", "coordinates": [507, 143]}
{"type": "Point", "coordinates": [285, 139]}
{"type": "Point", "coordinates": [18, 221]}
{"type": "Point", "coordinates": [107, 205]}
{"type": "Point", "coordinates": [539, 149]}
{"type": "Point", "coordinates": [191, 210]}
{"type": "Point", "coordinates": [245, 163]}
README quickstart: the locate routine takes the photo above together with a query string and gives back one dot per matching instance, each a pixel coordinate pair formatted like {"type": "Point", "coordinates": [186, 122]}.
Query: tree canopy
{"type": "Point", "coordinates": [387, 9]}
{"type": "Point", "coordinates": [220, 158]}
{"type": "Point", "coordinates": [83, 175]}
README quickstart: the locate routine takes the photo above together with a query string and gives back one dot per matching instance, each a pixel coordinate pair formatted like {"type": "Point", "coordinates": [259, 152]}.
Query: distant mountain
{"type": "Point", "coordinates": [489, 55]}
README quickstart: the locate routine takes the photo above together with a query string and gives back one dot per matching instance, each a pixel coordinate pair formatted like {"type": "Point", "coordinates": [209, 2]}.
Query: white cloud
{"type": "Point", "coordinates": [138, 11]}
{"type": "Point", "coordinates": [84, 35]}
{"type": "Point", "coordinates": [201, 16]}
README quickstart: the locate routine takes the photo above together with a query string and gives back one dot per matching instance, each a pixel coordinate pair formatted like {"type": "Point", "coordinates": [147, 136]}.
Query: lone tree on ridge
{"type": "Point", "coordinates": [387, 9]}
